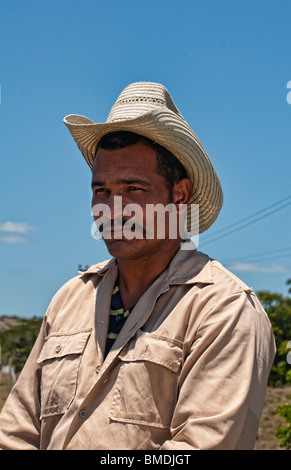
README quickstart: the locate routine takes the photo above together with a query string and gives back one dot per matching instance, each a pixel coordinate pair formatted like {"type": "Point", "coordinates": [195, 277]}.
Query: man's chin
{"type": "Point", "coordinates": [118, 244]}
{"type": "Point", "coordinates": [124, 248]}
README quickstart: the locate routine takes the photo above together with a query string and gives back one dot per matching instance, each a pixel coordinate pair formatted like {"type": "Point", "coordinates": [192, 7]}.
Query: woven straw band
{"type": "Point", "coordinates": [147, 109]}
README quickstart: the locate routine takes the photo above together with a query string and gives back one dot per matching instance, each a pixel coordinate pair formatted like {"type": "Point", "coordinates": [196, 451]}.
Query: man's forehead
{"type": "Point", "coordinates": [138, 156]}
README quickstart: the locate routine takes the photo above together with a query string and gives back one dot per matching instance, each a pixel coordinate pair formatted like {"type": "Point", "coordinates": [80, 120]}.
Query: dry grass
{"type": "Point", "coordinates": [6, 384]}
{"type": "Point", "coordinates": [266, 438]}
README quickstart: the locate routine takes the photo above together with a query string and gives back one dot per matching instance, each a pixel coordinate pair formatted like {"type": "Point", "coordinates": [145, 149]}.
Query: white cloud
{"type": "Point", "coordinates": [273, 268]}
{"type": "Point", "coordinates": [12, 238]}
{"type": "Point", "coordinates": [16, 227]}
{"type": "Point", "coordinates": [14, 232]}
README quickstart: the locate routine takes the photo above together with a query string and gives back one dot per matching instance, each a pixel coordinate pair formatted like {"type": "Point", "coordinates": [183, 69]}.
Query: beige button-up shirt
{"type": "Point", "coordinates": [188, 370]}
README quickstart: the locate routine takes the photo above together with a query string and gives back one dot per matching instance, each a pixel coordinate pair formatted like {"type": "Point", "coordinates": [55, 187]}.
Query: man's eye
{"type": "Point", "coordinates": [99, 190]}
{"type": "Point", "coordinates": [134, 188]}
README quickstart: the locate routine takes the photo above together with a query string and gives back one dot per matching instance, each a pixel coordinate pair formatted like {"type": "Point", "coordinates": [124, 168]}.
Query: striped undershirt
{"type": "Point", "coordinates": [117, 318]}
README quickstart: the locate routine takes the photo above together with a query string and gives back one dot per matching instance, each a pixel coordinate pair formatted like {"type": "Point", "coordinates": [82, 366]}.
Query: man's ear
{"type": "Point", "coordinates": [182, 192]}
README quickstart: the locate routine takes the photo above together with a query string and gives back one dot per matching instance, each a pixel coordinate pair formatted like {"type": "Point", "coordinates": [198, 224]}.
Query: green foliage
{"type": "Point", "coordinates": [283, 433]}
{"type": "Point", "coordinates": [278, 308]}
{"type": "Point", "coordinates": [17, 342]}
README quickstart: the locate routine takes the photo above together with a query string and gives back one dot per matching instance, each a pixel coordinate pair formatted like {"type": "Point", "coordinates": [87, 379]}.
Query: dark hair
{"type": "Point", "coordinates": [167, 164]}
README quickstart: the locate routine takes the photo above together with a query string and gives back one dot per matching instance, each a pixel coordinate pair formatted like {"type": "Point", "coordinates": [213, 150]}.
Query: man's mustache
{"type": "Point", "coordinates": [121, 226]}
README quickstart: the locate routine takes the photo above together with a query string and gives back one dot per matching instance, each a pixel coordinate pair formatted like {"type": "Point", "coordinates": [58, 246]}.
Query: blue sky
{"type": "Point", "coordinates": [226, 63]}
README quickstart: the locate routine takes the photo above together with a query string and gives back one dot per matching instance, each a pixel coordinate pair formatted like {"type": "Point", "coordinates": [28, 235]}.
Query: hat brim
{"type": "Point", "coordinates": [172, 132]}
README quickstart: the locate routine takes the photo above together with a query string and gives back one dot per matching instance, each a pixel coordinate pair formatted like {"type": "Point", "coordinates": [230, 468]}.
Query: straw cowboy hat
{"type": "Point", "coordinates": [147, 109]}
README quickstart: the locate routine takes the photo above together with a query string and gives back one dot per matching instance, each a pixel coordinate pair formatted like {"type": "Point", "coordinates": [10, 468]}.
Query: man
{"type": "Point", "coordinates": [161, 347]}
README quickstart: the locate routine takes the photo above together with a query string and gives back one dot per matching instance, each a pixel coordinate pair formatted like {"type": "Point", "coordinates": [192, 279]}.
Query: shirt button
{"type": "Point", "coordinates": [83, 413]}
{"type": "Point", "coordinates": [58, 348]}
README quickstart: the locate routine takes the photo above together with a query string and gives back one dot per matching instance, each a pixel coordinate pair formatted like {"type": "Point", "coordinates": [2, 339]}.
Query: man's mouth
{"type": "Point", "coordinates": [111, 230]}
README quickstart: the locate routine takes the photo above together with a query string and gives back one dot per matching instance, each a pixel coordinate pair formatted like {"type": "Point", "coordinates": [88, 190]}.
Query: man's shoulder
{"type": "Point", "coordinates": [223, 276]}
{"type": "Point", "coordinates": [93, 273]}
{"type": "Point", "coordinates": [199, 268]}
{"type": "Point", "coordinates": [76, 294]}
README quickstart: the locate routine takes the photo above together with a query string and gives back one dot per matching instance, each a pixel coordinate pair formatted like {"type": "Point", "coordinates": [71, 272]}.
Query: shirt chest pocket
{"type": "Point", "coordinates": [60, 359]}
{"type": "Point", "coordinates": [146, 386]}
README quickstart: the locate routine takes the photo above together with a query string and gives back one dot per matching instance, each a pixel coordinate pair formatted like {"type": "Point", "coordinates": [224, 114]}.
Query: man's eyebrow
{"type": "Point", "coordinates": [134, 181]}
{"type": "Point", "coordinates": [97, 183]}
{"type": "Point", "coordinates": [129, 181]}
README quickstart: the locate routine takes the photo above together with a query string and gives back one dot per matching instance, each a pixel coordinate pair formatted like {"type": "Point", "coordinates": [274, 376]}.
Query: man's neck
{"type": "Point", "coordinates": [137, 275]}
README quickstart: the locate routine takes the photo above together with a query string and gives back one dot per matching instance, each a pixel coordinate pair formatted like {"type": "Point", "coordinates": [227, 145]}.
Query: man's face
{"type": "Point", "coordinates": [131, 174]}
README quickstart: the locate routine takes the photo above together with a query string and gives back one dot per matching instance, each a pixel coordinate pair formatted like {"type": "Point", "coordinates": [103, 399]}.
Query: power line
{"type": "Point", "coordinates": [251, 216]}
{"type": "Point", "coordinates": [247, 220]}
{"type": "Point", "coordinates": [262, 259]}
{"type": "Point", "coordinates": [261, 256]}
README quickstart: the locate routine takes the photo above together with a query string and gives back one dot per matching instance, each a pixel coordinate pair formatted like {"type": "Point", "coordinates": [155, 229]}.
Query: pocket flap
{"type": "Point", "coordinates": [154, 348]}
{"type": "Point", "coordinates": [60, 345]}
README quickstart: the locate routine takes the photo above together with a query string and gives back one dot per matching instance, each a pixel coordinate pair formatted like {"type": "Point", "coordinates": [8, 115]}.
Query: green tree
{"type": "Point", "coordinates": [17, 342]}
{"type": "Point", "coordinates": [278, 308]}
{"type": "Point", "coordinates": [283, 433]}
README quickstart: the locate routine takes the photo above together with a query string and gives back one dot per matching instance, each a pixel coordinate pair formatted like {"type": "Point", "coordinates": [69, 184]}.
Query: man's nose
{"type": "Point", "coordinates": [115, 205]}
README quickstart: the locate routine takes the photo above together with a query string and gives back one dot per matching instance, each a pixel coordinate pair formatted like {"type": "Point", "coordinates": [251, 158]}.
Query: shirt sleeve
{"type": "Point", "coordinates": [19, 418]}
{"type": "Point", "coordinates": [223, 380]}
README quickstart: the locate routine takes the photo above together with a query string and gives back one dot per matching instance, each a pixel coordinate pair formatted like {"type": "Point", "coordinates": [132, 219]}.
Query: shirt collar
{"type": "Point", "coordinates": [188, 266]}
{"type": "Point", "coordinates": [100, 268]}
